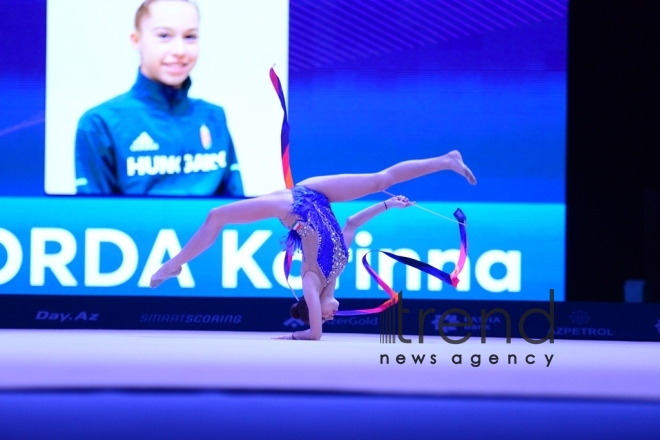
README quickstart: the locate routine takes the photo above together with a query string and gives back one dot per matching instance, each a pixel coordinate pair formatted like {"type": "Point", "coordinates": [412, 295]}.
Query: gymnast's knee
{"type": "Point", "coordinates": [384, 180]}
{"type": "Point", "coordinates": [214, 217]}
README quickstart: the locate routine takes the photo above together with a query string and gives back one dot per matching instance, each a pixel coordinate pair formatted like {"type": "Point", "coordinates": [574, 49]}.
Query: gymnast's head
{"type": "Point", "coordinates": [329, 306]}
{"type": "Point", "coordinates": [166, 36]}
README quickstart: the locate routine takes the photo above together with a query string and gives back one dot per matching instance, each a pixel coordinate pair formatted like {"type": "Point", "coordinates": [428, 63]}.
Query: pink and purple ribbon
{"type": "Point", "coordinates": [286, 165]}
{"type": "Point", "coordinates": [449, 278]}
{"type": "Point", "coordinates": [284, 138]}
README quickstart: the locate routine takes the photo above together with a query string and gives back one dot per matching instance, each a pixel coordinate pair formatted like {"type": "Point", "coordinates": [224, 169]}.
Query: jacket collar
{"type": "Point", "coordinates": [160, 95]}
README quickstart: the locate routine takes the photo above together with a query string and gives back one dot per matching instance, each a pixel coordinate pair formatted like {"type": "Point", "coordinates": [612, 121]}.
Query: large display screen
{"type": "Point", "coordinates": [368, 84]}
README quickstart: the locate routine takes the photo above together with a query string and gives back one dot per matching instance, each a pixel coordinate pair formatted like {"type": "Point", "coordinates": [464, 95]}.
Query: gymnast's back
{"type": "Point", "coordinates": [314, 230]}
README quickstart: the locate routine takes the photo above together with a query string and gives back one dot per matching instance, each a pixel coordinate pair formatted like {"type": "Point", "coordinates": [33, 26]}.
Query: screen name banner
{"type": "Point", "coordinates": [92, 246]}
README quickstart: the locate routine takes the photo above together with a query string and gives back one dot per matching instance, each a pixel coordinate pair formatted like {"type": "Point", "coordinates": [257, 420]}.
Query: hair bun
{"type": "Point", "coordinates": [294, 311]}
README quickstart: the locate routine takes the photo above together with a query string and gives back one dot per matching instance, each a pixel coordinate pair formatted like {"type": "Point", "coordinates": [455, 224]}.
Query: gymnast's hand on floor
{"type": "Point", "coordinates": [398, 202]}
{"type": "Point", "coordinates": [300, 335]}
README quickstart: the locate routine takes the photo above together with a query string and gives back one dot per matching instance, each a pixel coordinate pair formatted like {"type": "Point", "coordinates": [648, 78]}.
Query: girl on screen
{"type": "Point", "coordinates": [305, 210]}
{"type": "Point", "coordinates": [155, 139]}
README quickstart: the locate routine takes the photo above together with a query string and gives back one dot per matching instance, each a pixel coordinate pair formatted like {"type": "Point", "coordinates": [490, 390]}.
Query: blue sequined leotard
{"type": "Point", "coordinates": [314, 230]}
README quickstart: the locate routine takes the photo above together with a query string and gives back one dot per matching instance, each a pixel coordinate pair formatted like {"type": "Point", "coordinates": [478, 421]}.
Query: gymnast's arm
{"type": "Point", "coordinates": [313, 300]}
{"type": "Point", "coordinates": [360, 218]}
{"type": "Point", "coordinates": [311, 287]}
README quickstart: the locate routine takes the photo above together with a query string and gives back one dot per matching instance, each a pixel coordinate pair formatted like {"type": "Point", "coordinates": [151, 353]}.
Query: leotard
{"type": "Point", "coordinates": [314, 230]}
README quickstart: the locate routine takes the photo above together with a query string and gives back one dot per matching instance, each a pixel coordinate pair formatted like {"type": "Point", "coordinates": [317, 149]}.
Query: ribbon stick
{"type": "Point", "coordinates": [451, 279]}
{"type": "Point", "coordinates": [427, 210]}
{"type": "Point", "coordinates": [286, 164]}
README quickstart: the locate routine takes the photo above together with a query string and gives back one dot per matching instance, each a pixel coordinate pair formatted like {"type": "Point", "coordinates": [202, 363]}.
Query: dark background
{"type": "Point", "coordinates": [613, 128]}
{"type": "Point", "coordinates": [613, 124]}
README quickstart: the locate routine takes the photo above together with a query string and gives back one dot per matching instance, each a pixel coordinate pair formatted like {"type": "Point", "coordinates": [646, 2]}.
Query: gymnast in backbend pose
{"type": "Point", "coordinates": [305, 211]}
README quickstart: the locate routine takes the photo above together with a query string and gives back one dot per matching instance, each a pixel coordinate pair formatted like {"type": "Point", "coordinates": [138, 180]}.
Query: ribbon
{"type": "Point", "coordinates": [284, 137]}
{"type": "Point", "coordinates": [451, 278]}
{"type": "Point", "coordinates": [286, 166]}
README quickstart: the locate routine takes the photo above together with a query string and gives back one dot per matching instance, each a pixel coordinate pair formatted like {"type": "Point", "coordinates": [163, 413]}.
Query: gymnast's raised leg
{"type": "Point", "coordinates": [344, 187]}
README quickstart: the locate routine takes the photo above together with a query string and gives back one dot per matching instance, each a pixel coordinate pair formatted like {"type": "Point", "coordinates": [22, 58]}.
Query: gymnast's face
{"type": "Point", "coordinates": [167, 40]}
{"type": "Point", "coordinates": [328, 308]}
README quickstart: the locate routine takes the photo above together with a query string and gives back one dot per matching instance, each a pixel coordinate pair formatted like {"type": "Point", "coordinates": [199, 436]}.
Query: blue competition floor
{"type": "Point", "coordinates": [189, 385]}
{"type": "Point", "coordinates": [209, 414]}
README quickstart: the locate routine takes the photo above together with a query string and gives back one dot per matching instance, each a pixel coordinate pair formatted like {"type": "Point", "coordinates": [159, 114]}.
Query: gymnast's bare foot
{"type": "Point", "coordinates": [163, 274]}
{"type": "Point", "coordinates": [459, 167]}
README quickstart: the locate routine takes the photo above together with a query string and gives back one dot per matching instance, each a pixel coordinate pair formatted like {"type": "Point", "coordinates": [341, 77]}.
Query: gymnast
{"type": "Point", "coordinates": [305, 210]}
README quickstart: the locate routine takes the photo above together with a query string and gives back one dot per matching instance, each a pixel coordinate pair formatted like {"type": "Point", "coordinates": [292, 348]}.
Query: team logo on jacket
{"type": "Point", "coordinates": [144, 143]}
{"type": "Point", "coordinates": [205, 136]}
